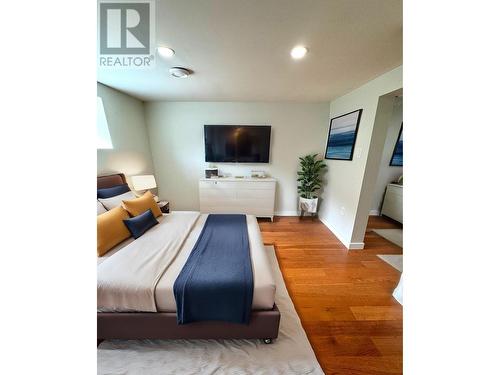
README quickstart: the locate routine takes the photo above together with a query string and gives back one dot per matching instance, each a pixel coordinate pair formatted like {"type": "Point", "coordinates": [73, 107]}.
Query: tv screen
{"type": "Point", "coordinates": [237, 144]}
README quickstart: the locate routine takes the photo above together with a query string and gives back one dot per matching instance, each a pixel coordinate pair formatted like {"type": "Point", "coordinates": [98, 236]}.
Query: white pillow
{"type": "Point", "coordinates": [100, 208]}
{"type": "Point", "coordinates": [110, 203]}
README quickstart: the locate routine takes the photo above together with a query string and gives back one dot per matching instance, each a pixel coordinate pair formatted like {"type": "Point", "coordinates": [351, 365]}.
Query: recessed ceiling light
{"type": "Point", "coordinates": [298, 52]}
{"type": "Point", "coordinates": [179, 72]}
{"type": "Point", "coordinates": [166, 52]}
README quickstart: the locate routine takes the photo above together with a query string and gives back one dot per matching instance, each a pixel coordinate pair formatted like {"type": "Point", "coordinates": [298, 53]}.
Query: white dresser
{"type": "Point", "coordinates": [253, 196]}
{"type": "Point", "coordinates": [393, 202]}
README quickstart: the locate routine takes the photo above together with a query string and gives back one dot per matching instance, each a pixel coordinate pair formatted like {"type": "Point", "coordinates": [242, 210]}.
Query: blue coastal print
{"type": "Point", "coordinates": [342, 136]}
{"type": "Point", "coordinates": [397, 156]}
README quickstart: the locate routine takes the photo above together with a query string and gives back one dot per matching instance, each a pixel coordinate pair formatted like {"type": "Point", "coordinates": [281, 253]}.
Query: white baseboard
{"type": "Point", "coordinates": [286, 213]}
{"type": "Point", "coordinates": [356, 246]}
{"type": "Point", "coordinates": [327, 224]}
{"type": "Point", "coordinates": [374, 213]}
{"type": "Point", "coordinates": [349, 245]}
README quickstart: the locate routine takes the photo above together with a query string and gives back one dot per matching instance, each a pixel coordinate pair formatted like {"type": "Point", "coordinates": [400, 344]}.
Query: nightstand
{"type": "Point", "coordinates": [164, 206]}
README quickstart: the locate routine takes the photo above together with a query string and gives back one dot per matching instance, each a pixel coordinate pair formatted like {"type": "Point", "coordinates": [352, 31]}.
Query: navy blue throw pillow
{"type": "Point", "coordinates": [138, 225]}
{"type": "Point", "coordinates": [112, 191]}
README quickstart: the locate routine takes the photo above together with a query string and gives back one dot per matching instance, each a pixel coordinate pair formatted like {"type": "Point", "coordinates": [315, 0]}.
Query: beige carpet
{"type": "Point", "coordinates": [392, 235]}
{"type": "Point", "coordinates": [291, 353]}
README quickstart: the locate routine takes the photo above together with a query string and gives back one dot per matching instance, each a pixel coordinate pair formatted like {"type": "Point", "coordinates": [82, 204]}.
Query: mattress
{"type": "Point", "coordinates": [264, 284]}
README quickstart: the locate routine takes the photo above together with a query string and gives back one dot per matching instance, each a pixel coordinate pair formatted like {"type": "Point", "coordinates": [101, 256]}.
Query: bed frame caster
{"type": "Point", "coordinates": [267, 341]}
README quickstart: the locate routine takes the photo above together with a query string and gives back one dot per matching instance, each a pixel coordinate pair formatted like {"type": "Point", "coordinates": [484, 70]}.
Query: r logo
{"type": "Point", "coordinates": [125, 28]}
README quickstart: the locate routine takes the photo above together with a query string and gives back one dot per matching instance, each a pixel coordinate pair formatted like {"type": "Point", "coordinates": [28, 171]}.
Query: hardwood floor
{"type": "Point", "coordinates": [344, 298]}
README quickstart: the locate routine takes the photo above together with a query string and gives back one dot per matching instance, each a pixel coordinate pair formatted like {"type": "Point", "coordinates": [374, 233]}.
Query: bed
{"type": "Point", "coordinates": [160, 320]}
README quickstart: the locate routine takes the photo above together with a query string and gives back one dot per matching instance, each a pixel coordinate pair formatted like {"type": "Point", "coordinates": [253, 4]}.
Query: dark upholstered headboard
{"type": "Point", "coordinates": [104, 182]}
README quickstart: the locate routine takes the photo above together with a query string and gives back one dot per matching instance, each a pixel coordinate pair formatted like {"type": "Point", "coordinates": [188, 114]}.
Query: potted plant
{"type": "Point", "coordinates": [309, 179]}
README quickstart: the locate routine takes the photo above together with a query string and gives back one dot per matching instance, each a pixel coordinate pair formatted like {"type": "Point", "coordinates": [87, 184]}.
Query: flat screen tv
{"type": "Point", "coordinates": [237, 143]}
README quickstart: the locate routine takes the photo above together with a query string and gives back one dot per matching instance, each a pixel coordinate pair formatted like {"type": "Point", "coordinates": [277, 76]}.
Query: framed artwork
{"type": "Point", "coordinates": [342, 136]}
{"type": "Point", "coordinates": [397, 154]}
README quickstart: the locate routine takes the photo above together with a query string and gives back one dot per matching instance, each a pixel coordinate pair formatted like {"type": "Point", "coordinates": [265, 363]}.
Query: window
{"type": "Point", "coordinates": [103, 137]}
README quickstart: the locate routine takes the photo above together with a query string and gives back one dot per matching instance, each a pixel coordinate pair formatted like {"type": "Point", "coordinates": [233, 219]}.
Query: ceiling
{"type": "Point", "coordinates": [240, 50]}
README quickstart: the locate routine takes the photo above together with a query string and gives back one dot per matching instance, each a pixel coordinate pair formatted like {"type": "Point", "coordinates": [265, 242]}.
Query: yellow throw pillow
{"type": "Point", "coordinates": [111, 230]}
{"type": "Point", "coordinates": [142, 204]}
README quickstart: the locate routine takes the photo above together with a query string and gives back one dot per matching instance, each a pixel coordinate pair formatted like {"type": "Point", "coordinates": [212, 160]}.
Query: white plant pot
{"type": "Point", "coordinates": [308, 205]}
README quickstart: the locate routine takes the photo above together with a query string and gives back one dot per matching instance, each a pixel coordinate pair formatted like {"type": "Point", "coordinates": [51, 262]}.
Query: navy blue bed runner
{"type": "Point", "coordinates": [216, 283]}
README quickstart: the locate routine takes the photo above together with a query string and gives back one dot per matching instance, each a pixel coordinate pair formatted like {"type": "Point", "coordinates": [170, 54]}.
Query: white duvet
{"type": "Point", "coordinates": [138, 275]}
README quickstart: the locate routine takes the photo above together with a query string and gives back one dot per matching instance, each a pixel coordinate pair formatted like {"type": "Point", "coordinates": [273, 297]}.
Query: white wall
{"type": "Point", "coordinates": [177, 144]}
{"type": "Point", "coordinates": [131, 153]}
{"type": "Point", "coordinates": [387, 173]}
{"type": "Point", "coordinates": [344, 204]}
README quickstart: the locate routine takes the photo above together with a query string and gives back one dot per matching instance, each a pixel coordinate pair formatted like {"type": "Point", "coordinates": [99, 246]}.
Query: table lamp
{"type": "Point", "coordinates": [143, 183]}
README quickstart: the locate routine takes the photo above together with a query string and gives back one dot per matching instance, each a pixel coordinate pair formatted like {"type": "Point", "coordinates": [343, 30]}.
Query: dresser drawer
{"type": "Point", "coordinates": [393, 203]}
{"type": "Point", "coordinates": [214, 185]}
{"type": "Point", "coordinates": [252, 185]}
{"type": "Point", "coordinates": [218, 193]}
{"type": "Point", "coordinates": [255, 194]}
{"type": "Point", "coordinates": [395, 190]}
{"type": "Point", "coordinates": [257, 185]}
{"type": "Point", "coordinates": [228, 209]}
{"type": "Point", "coordinates": [242, 197]}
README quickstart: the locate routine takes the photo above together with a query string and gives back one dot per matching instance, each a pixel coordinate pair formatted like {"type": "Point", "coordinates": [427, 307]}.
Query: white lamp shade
{"type": "Point", "coordinates": [143, 182]}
